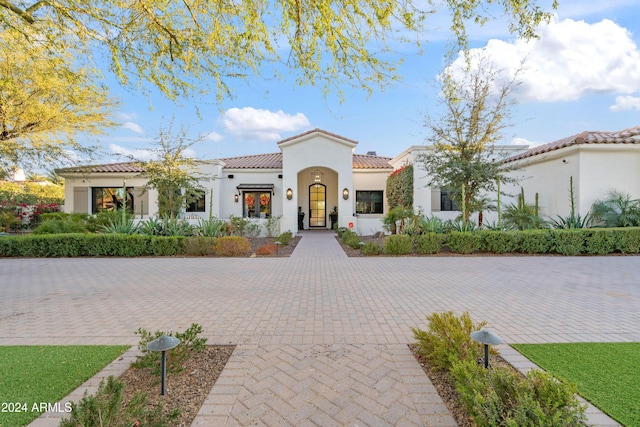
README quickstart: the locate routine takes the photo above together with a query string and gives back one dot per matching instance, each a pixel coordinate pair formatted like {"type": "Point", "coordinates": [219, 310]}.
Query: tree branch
{"type": "Point", "coordinates": [24, 15]}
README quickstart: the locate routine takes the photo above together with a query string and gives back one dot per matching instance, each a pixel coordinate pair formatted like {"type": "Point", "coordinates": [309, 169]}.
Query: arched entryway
{"type": "Point", "coordinates": [317, 205]}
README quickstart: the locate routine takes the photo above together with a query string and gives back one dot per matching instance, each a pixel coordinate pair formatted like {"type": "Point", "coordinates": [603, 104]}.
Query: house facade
{"type": "Point", "coordinates": [597, 161]}
{"type": "Point", "coordinates": [316, 180]}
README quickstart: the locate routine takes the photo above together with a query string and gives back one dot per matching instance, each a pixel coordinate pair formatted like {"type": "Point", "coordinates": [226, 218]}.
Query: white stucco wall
{"type": "Point", "coordinates": [367, 180]}
{"type": "Point", "coordinates": [596, 169]}
{"type": "Point", "coordinates": [302, 155]}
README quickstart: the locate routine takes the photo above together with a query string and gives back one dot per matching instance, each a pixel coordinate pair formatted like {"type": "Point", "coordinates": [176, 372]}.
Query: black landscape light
{"type": "Point", "coordinates": [163, 344]}
{"type": "Point", "coordinates": [487, 338]}
{"type": "Point", "coordinates": [278, 246]}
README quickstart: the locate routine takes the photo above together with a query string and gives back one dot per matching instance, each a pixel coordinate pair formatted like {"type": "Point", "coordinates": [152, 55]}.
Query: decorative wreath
{"type": "Point", "coordinates": [250, 200]}
{"type": "Point", "coordinates": [264, 200]}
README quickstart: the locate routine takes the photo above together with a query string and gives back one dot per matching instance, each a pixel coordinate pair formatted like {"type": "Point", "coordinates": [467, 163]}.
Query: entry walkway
{"type": "Point", "coordinates": [321, 338]}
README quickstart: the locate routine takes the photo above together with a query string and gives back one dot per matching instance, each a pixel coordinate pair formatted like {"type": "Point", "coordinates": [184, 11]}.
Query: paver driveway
{"type": "Point", "coordinates": [318, 305]}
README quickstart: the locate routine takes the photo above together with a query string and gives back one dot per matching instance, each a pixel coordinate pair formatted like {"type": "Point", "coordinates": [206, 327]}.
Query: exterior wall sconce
{"type": "Point", "coordinates": [289, 194]}
{"type": "Point", "coordinates": [236, 198]}
{"type": "Point", "coordinates": [345, 194]}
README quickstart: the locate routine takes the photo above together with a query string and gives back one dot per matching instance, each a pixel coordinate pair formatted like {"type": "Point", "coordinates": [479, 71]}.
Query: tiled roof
{"type": "Point", "coordinates": [127, 167]}
{"type": "Point", "coordinates": [319, 131]}
{"type": "Point", "coordinates": [366, 161]}
{"type": "Point", "coordinates": [256, 161]}
{"type": "Point", "coordinates": [274, 161]}
{"type": "Point", "coordinates": [627, 136]}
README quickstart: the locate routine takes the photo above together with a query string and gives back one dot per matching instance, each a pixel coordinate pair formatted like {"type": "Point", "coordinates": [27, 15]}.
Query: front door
{"type": "Point", "coordinates": [317, 205]}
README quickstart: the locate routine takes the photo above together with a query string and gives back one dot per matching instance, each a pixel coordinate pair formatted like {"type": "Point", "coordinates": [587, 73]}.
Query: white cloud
{"type": "Point", "coordinates": [133, 127]}
{"type": "Point", "coordinates": [213, 136]}
{"type": "Point", "coordinates": [127, 116]}
{"type": "Point", "coordinates": [626, 103]}
{"type": "Point", "coordinates": [569, 60]}
{"type": "Point", "coordinates": [141, 153]}
{"type": "Point", "coordinates": [261, 125]}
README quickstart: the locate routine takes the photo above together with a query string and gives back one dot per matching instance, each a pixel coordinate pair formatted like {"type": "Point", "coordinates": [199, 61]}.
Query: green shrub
{"type": "Point", "coordinates": [429, 243]}
{"type": "Point", "coordinates": [232, 246]}
{"type": "Point", "coordinates": [463, 242]}
{"type": "Point", "coordinates": [371, 248]}
{"type": "Point", "coordinates": [448, 339]}
{"type": "Point", "coordinates": [190, 342]}
{"type": "Point", "coordinates": [284, 238]}
{"type": "Point", "coordinates": [351, 239]}
{"type": "Point", "coordinates": [534, 241]}
{"type": "Point", "coordinates": [627, 240]}
{"type": "Point", "coordinates": [105, 408]}
{"type": "Point", "coordinates": [567, 242]}
{"type": "Point", "coordinates": [599, 241]}
{"type": "Point", "coordinates": [238, 225]}
{"type": "Point", "coordinates": [72, 245]}
{"type": "Point", "coordinates": [60, 226]}
{"type": "Point", "coordinates": [398, 244]}
{"type": "Point", "coordinates": [500, 242]}
{"type": "Point", "coordinates": [212, 227]}
{"type": "Point", "coordinates": [503, 397]}
{"type": "Point", "coordinates": [199, 246]}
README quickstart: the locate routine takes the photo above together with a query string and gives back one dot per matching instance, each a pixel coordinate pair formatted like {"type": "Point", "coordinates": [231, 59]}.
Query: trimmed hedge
{"type": "Point", "coordinates": [90, 245]}
{"type": "Point", "coordinates": [593, 241]}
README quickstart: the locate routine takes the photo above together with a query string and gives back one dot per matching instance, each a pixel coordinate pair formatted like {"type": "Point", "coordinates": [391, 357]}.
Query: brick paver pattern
{"type": "Point", "coordinates": [321, 338]}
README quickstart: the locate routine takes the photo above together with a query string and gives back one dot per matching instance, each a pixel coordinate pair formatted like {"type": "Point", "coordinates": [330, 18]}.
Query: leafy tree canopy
{"type": "Point", "coordinates": [476, 109]}
{"type": "Point", "coordinates": [177, 45]}
{"type": "Point", "coordinates": [45, 101]}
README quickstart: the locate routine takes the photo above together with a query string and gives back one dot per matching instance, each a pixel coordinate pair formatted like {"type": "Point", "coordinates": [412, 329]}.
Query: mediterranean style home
{"type": "Point", "coordinates": [316, 180]}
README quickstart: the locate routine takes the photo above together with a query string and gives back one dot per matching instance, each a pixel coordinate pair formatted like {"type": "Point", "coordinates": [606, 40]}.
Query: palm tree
{"type": "Point", "coordinates": [618, 210]}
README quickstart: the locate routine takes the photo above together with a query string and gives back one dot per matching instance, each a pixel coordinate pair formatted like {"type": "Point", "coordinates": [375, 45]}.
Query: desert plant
{"type": "Point", "coordinates": [166, 225]}
{"type": "Point", "coordinates": [231, 246]}
{"type": "Point", "coordinates": [570, 222]}
{"type": "Point", "coordinates": [253, 229]}
{"type": "Point", "coordinates": [106, 408]}
{"type": "Point", "coordinates": [273, 225]}
{"type": "Point", "coordinates": [448, 339]}
{"type": "Point", "coordinates": [460, 226]}
{"type": "Point", "coordinates": [238, 225]}
{"type": "Point", "coordinates": [617, 210]}
{"type": "Point", "coordinates": [120, 225]}
{"type": "Point", "coordinates": [522, 216]}
{"type": "Point", "coordinates": [212, 227]}
{"type": "Point", "coordinates": [190, 342]}
{"type": "Point", "coordinates": [396, 215]}
{"type": "Point", "coordinates": [267, 249]}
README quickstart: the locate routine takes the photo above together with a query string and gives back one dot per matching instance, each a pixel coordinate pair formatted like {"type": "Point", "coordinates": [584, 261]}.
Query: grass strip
{"type": "Point", "coordinates": [32, 377]}
{"type": "Point", "coordinates": [607, 374]}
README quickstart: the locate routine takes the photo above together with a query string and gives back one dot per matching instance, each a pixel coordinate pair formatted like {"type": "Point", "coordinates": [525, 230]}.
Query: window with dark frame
{"type": "Point", "coordinates": [197, 205]}
{"type": "Point", "coordinates": [369, 202]}
{"type": "Point", "coordinates": [257, 204]}
{"type": "Point", "coordinates": [446, 202]}
{"type": "Point", "coordinates": [110, 198]}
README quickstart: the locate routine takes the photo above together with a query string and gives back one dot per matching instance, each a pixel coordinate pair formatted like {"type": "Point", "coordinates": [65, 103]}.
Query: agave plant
{"type": "Point", "coordinates": [212, 227]}
{"type": "Point", "coordinates": [461, 225]}
{"type": "Point", "coordinates": [120, 226]}
{"type": "Point", "coordinates": [571, 221]}
{"type": "Point", "coordinates": [618, 210]}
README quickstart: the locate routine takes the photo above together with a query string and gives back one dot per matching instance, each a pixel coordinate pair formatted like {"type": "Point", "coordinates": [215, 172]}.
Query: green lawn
{"type": "Point", "coordinates": [31, 375]}
{"type": "Point", "coordinates": [607, 374]}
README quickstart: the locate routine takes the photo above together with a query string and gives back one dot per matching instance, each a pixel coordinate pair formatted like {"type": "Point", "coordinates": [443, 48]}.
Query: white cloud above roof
{"type": "Point", "coordinates": [262, 125]}
{"type": "Point", "coordinates": [626, 103]}
{"type": "Point", "coordinates": [570, 60]}
{"type": "Point", "coordinates": [143, 155]}
{"type": "Point", "coordinates": [213, 136]}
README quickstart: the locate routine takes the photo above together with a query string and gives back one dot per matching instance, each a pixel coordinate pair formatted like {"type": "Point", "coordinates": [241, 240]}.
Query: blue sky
{"type": "Point", "coordinates": [583, 74]}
